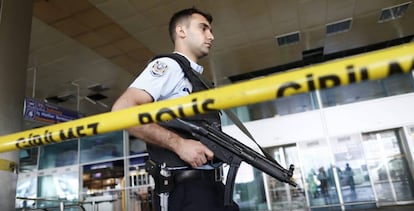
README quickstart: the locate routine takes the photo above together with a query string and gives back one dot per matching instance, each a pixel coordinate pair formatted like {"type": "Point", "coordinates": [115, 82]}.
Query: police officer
{"type": "Point", "coordinates": [197, 187]}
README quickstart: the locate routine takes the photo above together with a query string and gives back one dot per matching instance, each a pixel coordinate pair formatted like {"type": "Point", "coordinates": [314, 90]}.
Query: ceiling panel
{"type": "Point", "coordinates": [92, 18]}
{"type": "Point", "coordinates": [284, 16]}
{"type": "Point", "coordinates": [117, 9]}
{"type": "Point", "coordinates": [70, 26]}
{"type": "Point", "coordinates": [312, 13]}
{"type": "Point", "coordinates": [339, 10]}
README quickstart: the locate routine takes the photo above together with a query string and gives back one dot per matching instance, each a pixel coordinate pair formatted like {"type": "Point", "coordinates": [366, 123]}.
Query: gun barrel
{"type": "Point", "coordinates": [248, 155]}
{"type": "Point", "coordinates": [251, 157]}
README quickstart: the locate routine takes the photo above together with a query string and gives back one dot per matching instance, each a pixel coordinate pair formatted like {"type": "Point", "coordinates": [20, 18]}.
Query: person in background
{"type": "Point", "coordinates": [323, 178]}
{"type": "Point", "coordinates": [349, 175]}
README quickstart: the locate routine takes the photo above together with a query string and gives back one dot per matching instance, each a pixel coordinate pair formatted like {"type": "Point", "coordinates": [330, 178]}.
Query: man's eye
{"type": "Point", "coordinates": [204, 27]}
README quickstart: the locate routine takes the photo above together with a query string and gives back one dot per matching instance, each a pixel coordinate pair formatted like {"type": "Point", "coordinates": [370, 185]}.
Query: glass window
{"type": "Point", "coordinates": [262, 110]}
{"type": "Point", "coordinates": [411, 142]}
{"type": "Point", "coordinates": [141, 184]}
{"type": "Point", "coordinates": [101, 178]}
{"type": "Point", "coordinates": [388, 166]}
{"type": "Point", "coordinates": [393, 85]}
{"type": "Point", "coordinates": [296, 103]}
{"type": "Point", "coordinates": [241, 112]}
{"type": "Point", "coordinates": [282, 196]}
{"type": "Point", "coordinates": [398, 84]}
{"type": "Point", "coordinates": [282, 106]}
{"type": "Point", "coordinates": [26, 188]}
{"type": "Point", "coordinates": [351, 169]}
{"type": "Point", "coordinates": [102, 147]}
{"type": "Point", "coordinates": [62, 185]}
{"type": "Point", "coordinates": [138, 161]}
{"type": "Point", "coordinates": [249, 191]}
{"type": "Point", "coordinates": [28, 159]}
{"type": "Point", "coordinates": [60, 154]}
{"type": "Point", "coordinates": [316, 162]}
{"type": "Point", "coordinates": [136, 146]}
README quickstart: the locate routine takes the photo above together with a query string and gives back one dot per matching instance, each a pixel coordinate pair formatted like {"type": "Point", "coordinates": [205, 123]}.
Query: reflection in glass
{"type": "Point", "coordinates": [58, 186]}
{"type": "Point", "coordinates": [316, 161]}
{"type": "Point", "coordinates": [249, 191]}
{"type": "Point", "coordinates": [26, 188]}
{"type": "Point", "coordinates": [388, 167]}
{"type": "Point", "coordinates": [100, 177]}
{"type": "Point", "coordinates": [101, 147]}
{"type": "Point", "coordinates": [57, 155]}
{"type": "Point", "coordinates": [138, 176]}
{"type": "Point", "coordinates": [281, 195]}
{"type": "Point", "coordinates": [282, 106]}
{"type": "Point", "coordinates": [242, 113]}
{"type": "Point", "coordinates": [28, 159]}
{"type": "Point", "coordinates": [393, 85]}
{"type": "Point", "coordinates": [351, 169]}
{"type": "Point", "coordinates": [103, 184]}
{"type": "Point", "coordinates": [136, 146]}
{"type": "Point", "coordinates": [141, 184]}
{"type": "Point", "coordinates": [296, 103]}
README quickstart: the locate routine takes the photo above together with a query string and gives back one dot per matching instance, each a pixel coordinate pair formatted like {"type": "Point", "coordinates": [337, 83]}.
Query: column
{"type": "Point", "coordinates": [15, 27]}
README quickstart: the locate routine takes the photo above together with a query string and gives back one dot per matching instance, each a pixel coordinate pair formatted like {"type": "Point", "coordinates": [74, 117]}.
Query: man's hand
{"type": "Point", "coordinates": [193, 152]}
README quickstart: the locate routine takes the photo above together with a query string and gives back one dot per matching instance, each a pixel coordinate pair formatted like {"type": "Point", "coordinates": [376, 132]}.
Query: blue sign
{"type": "Point", "coordinates": [48, 113]}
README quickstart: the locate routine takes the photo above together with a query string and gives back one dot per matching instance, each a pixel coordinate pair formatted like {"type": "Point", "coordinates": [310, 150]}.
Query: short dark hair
{"type": "Point", "coordinates": [183, 14]}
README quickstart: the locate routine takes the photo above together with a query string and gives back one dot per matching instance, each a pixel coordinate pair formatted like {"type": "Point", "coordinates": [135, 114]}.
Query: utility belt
{"type": "Point", "coordinates": [165, 179]}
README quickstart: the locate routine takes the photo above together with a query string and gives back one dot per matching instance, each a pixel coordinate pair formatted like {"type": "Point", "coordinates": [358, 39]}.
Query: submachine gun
{"type": "Point", "coordinates": [231, 151]}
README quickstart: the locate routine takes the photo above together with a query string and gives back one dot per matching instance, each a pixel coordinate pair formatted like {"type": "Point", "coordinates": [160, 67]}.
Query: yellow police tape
{"type": "Point", "coordinates": [369, 66]}
{"type": "Point", "coordinates": [7, 165]}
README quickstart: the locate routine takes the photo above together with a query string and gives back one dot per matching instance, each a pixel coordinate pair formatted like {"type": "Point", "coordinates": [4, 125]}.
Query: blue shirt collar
{"type": "Point", "coordinates": [194, 65]}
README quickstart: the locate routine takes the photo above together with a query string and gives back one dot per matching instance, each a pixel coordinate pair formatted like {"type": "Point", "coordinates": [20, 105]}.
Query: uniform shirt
{"type": "Point", "coordinates": [164, 79]}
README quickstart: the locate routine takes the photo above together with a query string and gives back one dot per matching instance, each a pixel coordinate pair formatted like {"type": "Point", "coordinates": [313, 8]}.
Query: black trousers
{"type": "Point", "coordinates": [196, 195]}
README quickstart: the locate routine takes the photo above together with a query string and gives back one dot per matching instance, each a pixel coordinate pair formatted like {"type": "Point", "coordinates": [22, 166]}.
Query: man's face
{"type": "Point", "coordinates": [199, 35]}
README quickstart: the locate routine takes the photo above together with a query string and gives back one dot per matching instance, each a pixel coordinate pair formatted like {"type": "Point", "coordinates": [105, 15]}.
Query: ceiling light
{"type": "Point", "coordinates": [96, 96]}
{"type": "Point", "coordinates": [338, 26]}
{"type": "Point", "coordinates": [393, 12]}
{"type": "Point", "coordinates": [98, 88]}
{"type": "Point", "coordinates": [289, 38]}
{"type": "Point", "coordinates": [59, 99]}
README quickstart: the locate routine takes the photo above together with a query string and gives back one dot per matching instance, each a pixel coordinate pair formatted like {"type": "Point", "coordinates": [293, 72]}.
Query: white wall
{"type": "Point", "coordinates": [372, 115]}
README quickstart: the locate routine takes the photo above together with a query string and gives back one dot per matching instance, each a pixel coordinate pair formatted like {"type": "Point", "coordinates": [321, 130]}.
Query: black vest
{"type": "Point", "coordinates": [161, 155]}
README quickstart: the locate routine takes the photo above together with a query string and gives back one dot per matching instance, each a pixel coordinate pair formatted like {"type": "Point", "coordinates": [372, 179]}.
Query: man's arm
{"type": "Point", "coordinates": [191, 151]}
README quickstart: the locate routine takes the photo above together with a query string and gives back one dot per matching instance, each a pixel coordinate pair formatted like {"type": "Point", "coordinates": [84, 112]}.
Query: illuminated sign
{"type": "Point", "coordinates": [46, 112]}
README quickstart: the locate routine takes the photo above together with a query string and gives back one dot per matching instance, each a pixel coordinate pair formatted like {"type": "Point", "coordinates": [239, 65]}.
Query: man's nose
{"type": "Point", "coordinates": [210, 36]}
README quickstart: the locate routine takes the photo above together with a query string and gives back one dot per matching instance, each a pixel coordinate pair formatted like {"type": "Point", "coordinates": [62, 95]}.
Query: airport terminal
{"type": "Point", "coordinates": [325, 86]}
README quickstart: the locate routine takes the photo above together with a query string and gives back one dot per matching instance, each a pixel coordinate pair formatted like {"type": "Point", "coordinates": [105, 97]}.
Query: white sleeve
{"type": "Point", "coordinates": [159, 78]}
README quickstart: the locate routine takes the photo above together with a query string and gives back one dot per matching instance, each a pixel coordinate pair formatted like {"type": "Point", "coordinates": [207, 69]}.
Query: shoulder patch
{"type": "Point", "coordinates": [158, 69]}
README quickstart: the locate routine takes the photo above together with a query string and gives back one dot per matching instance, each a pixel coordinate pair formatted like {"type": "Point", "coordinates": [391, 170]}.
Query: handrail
{"type": "Point", "coordinates": [61, 206]}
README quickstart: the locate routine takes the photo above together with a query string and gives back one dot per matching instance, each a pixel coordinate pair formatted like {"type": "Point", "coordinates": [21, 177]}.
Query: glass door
{"type": "Point", "coordinates": [388, 168]}
{"type": "Point", "coordinates": [318, 170]}
{"type": "Point", "coordinates": [282, 196]}
{"type": "Point", "coordinates": [352, 172]}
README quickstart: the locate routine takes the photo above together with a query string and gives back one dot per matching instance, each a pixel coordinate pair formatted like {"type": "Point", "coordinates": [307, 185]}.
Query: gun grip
{"type": "Point", "coordinates": [230, 180]}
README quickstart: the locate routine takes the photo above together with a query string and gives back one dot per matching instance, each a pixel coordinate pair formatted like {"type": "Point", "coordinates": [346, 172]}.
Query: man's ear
{"type": "Point", "coordinates": [180, 31]}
